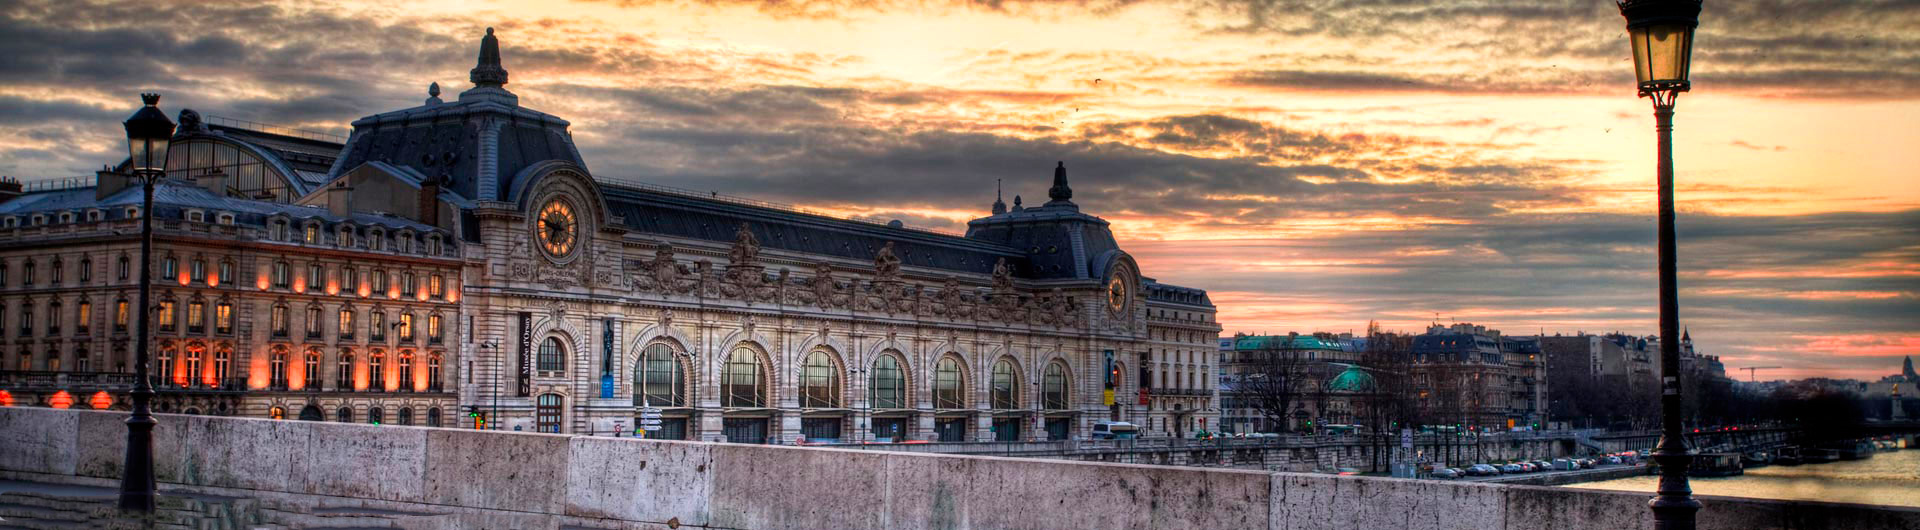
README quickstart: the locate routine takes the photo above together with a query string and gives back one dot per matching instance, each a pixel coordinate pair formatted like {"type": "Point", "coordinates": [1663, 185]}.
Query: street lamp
{"type": "Point", "coordinates": [1662, 35]}
{"type": "Point", "coordinates": [148, 133]}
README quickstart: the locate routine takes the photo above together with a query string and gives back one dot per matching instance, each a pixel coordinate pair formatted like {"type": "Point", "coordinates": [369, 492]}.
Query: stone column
{"type": "Point", "coordinates": [983, 427]}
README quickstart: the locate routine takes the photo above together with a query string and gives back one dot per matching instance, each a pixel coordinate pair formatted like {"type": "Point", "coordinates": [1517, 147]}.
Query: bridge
{"type": "Point", "coordinates": [269, 473]}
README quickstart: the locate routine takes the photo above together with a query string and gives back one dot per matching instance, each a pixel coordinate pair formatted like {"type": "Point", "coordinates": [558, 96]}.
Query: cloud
{"type": "Point", "coordinates": [1745, 144]}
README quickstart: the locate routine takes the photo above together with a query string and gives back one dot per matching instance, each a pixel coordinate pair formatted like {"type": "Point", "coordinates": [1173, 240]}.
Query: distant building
{"type": "Point", "coordinates": [1472, 376]}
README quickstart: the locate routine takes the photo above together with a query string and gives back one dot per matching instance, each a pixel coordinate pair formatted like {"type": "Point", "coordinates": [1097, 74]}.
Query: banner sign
{"type": "Point", "coordinates": [526, 354]}
{"type": "Point", "coordinates": [606, 359]}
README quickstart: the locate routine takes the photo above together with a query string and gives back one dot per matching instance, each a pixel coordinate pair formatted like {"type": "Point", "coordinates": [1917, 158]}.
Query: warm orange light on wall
{"type": "Point", "coordinates": [6, 398]}
{"type": "Point", "coordinates": [184, 278]}
{"type": "Point", "coordinates": [262, 284]}
{"type": "Point", "coordinates": [422, 294]}
{"type": "Point", "coordinates": [453, 293]}
{"type": "Point", "coordinates": [296, 379]}
{"type": "Point", "coordinates": [333, 287]}
{"type": "Point", "coordinates": [60, 400]}
{"type": "Point", "coordinates": [213, 278]}
{"type": "Point", "coordinates": [300, 285]}
{"type": "Point", "coordinates": [364, 290]}
{"type": "Point", "coordinates": [101, 400]}
{"type": "Point", "coordinates": [393, 292]}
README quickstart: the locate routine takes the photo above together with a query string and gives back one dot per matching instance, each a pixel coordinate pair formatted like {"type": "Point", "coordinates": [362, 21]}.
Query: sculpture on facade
{"type": "Point", "coordinates": [886, 266]}
{"type": "Point", "coordinates": [1002, 276]}
{"type": "Point", "coordinates": [746, 248]}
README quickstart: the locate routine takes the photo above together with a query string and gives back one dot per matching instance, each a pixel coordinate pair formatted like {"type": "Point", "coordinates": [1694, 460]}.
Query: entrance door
{"type": "Point", "coordinates": [312, 413]}
{"type": "Point", "coordinates": [1006, 429]}
{"type": "Point", "coordinates": [951, 430]}
{"type": "Point", "coordinates": [1058, 428]}
{"type": "Point", "coordinates": [745, 430]}
{"type": "Point", "coordinates": [889, 429]}
{"type": "Point", "coordinates": [820, 429]}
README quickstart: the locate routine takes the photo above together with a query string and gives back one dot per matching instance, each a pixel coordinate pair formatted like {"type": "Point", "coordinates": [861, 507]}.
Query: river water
{"type": "Point", "coordinates": [1890, 478]}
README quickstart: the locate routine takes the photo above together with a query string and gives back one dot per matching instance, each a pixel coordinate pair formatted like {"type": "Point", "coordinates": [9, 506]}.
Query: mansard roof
{"type": "Point", "coordinates": [172, 198]}
{"type": "Point", "coordinates": [669, 212]}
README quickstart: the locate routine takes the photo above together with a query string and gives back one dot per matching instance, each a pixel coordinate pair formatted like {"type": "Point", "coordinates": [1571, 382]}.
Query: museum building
{"type": "Point", "coordinates": [459, 258]}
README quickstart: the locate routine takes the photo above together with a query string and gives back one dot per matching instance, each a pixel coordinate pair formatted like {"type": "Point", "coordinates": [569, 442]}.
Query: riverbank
{"type": "Point", "coordinates": [1889, 479]}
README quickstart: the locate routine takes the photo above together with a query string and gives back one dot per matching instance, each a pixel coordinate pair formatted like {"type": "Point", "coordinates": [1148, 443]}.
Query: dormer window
{"type": "Point", "coordinates": [11, 221]}
{"type": "Point", "coordinates": [66, 217]}
{"type": "Point", "coordinates": [133, 212]}
{"type": "Point", "coordinates": [39, 219]}
{"type": "Point", "coordinates": [95, 215]}
{"type": "Point", "coordinates": [312, 235]}
{"type": "Point", "coordinates": [225, 219]}
{"type": "Point", "coordinates": [277, 230]}
{"type": "Point", "coordinates": [433, 244]}
{"type": "Point", "coordinates": [346, 236]}
{"type": "Point", "coordinates": [196, 216]}
{"type": "Point", "coordinates": [405, 240]}
{"type": "Point", "coordinates": [377, 240]}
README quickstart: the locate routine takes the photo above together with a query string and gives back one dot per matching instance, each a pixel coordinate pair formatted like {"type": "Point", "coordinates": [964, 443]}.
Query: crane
{"type": "Point", "coordinates": [1751, 369]}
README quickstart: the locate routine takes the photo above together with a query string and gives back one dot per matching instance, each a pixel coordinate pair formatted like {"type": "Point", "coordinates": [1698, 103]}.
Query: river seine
{"type": "Point", "coordinates": [1890, 478]}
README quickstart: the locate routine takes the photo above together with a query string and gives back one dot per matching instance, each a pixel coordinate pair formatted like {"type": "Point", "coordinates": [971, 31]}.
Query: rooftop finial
{"type": "Point", "coordinates": [433, 93]}
{"type": "Point", "coordinates": [1016, 204]}
{"type": "Point", "coordinates": [1061, 194]}
{"type": "Point", "coordinates": [489, 73]}
{"type": "Point", "coordinates": [151, 99]}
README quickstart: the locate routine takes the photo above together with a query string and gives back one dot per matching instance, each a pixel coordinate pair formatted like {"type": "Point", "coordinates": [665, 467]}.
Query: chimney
{"type": "Point", "coordinates": [337, 195]}
{"type": "Point", "coordinates": [106, 182]}
{"type": "Point", "coordinates": [9, 188]}
{"type": "Point", "coordinates": [214, 180]}
{"type": "Point", "coordinates": [428, 207]}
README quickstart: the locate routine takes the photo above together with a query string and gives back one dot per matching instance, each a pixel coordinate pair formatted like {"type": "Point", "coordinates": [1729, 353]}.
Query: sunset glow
{"type": "Point", "coordinates": [1290, 158]}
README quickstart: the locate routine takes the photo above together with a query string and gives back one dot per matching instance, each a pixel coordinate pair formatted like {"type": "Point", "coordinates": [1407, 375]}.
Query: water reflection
{"type": "Point", "coordinates": [1891, 478]}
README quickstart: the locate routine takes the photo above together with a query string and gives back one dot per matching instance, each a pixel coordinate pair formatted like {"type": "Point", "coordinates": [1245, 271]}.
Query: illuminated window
{"type": "Point", "coordinates": [436, 287]}
{"type": "Point", "coordinates": [377, 371]}
{"type": "Point", "coordinates": [346, 323]}
{"type": "Point", "coordinates": [313, 322]}
{"type": "Point", "coordinates": [406, 371]}
{"type": "Point", "coordinates": [313, 234]}
{"type": "Point", "coordinates": [819, 381]}
{"type": "Point", "coordinates": [278, 321]}
{"type": "Point", "coordinates": [343, 371]}
{"type": "Point", "coordinates": [196, 316]}
{"type": "Point", "coordinates": [378, 328]}
{"type": "Point", "coordinates": [195, 362]}
{"type": "Point", "coordinates": [223, 317]}
{"type": "Point", "coordinates": [120, 316]}
{"type": "Point", "coordinates": [889, 385]}
{"type": "Point", "coordinates": [277, 413]}
{"type": "Point", "coordinates": [406, 326]}
{"type": "Point", "coordinates": [277, 368]}
{"type": "Point", "coordinates": [84, 320]}
{"type": "Point", "coordinates": [165, 315]}
{"type": "Point", "coordinates": [433, 328]}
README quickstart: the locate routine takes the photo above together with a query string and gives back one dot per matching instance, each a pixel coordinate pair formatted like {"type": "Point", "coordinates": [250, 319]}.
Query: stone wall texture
{"type": "Point", "coordinates": [627, 483]}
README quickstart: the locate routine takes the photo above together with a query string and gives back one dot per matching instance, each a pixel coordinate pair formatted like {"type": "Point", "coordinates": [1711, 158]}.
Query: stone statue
{"type": "Point", "coordinates": [1002, 276]}
{"type": "Point", "coordinates": [746, 249]}
{"type": "Point", "coordinates": [885, 264]}
{"type": "Point", "coordinates": [190, 122]}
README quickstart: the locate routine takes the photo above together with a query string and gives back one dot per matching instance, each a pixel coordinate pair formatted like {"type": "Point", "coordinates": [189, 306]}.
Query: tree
{"type": "Point", "coordinates": [1276, 380]}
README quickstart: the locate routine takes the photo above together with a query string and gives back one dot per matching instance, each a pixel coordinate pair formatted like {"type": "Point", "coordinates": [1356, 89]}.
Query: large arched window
{"type": "Point", "coordinates": [1053, 392]}
{"type": "Point", "coordinates": [376, 416]}
{"type": "Point", "coordinates": [742, 381]}
{"type": "Point", "coordinates": [550, 355]}
{"type": "Point", "coordinates": [949, 385]}
{"type": "Point", "coordinates": [819, 381]}
{"type": "Point", "coordinates": [433, 417]}
{"type": "Point", "coordinates": [658, 380]}
{"type": "Point", "coordinates": [1006, 385]}
{"type": "Point", "coordinates": [406, 416]}
{"type": "Point", "coordinates": [277, 368]}
{"type": "Point", "coordinates": [889, 383]}
{"type": "Point", "coordinates": [345, 415]}
{"type": "Point", "coordinates": [547, 413]}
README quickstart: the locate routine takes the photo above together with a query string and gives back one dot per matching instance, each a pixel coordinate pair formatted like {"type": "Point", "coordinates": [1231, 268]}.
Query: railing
{"type": "Point", "coordinates": [274, 129]}
{"type": "Point", "coordinates": [717, 196]}
{"type": "Point", "coordinates": [59, 183]}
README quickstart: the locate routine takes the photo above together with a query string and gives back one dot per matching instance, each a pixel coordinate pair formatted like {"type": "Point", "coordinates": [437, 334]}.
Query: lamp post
{"type": "Point", "coordinates": [148, 133]}
{"type": "Point", "coordinates": [1662, 35]}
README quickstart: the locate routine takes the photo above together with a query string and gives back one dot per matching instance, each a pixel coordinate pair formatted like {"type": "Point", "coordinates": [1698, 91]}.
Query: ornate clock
{"type": "Point", "coordinates": [558, 228]}
{"type": "Point", "coordinates": [1117, 295]}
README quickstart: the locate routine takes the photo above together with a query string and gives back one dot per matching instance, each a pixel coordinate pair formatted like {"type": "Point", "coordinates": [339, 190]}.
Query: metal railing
{"type": "Point", "coordinates": [57, 183]}
{"type": "Point", "coordinates": [274, 129]}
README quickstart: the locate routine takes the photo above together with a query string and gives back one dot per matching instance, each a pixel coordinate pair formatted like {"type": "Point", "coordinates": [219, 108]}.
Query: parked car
{"type": "Point", "coordinates": [1613, 460]}
{"type": "Point", "coordinates": [1458, 471]}
{"type": "Point", "coordinates": [1513, 468]}
{"type": "Point", "coordinates": [1446, 473]}
{"type": "Point", "coordinates": [1544, 465]}
{"type": "Point", "coordinates": [1482, 470]}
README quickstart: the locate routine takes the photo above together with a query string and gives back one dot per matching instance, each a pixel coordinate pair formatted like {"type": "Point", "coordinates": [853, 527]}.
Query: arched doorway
{"type": "Point", "coordinates": [312, 413]}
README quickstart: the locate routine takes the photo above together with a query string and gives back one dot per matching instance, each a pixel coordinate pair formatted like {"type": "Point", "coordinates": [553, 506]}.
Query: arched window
{"type": "Point", "coordinates": [277, 413]}
{"type": "Point", "coordinates": [741, 381]}
{"type": "Point", "coordinates": [343, 374]}
{"type": "Point", "coordinates": [550, 355]}
{"type": "Point", "coordinates": [1005, 385]}
{"type": "Point", "coordinates": [889, 385]}
{"type": "Point", "coordinates": [312, 379]}
{"type": "Point", "coordinates": [547, 413]}
{"type": "Point", "coordinates": [312, 413]}
{"type": "Point", "coordinates": [949, 387]}
{"type": "Point", "coordinates": [406, 371]}
{"type": "Point", "coordinates": [345, 415]}
{"type": "Point", "coordinates": [433, 417]}
{"type": "Point", "coordinates": [377, 371]}
{"type": "Point", "coordinates": [1053, 391]}
{"type": "Point", "coordinates": [659, 381]}
{"type": "Point", "coordinates": [819, 381]}
{"type": "Point", "coordinates": [406, 416]}
{"type": "Point", "coordinates": [376, 416]}
{"type": "Point", "coordinates": [277, 369]}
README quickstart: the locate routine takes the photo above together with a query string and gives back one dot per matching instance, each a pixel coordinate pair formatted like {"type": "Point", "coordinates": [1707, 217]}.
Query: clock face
{"type": "Point", "coordinates": [557, 227]}
{"type": "Point", "coordinates": [1117, 293]}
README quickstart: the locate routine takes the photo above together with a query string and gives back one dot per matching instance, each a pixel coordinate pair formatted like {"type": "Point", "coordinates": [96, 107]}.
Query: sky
{"type": "Point", "coordinates": [1313, 164]}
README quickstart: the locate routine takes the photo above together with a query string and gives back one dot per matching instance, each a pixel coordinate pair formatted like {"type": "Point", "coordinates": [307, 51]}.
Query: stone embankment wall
{"type": "Point", "coordinates": [546, 481]}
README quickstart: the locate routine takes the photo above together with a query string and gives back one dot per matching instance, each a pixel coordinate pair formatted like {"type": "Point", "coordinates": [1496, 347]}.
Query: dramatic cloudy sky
{"type": "Point", "coordinates": [1314, 164]}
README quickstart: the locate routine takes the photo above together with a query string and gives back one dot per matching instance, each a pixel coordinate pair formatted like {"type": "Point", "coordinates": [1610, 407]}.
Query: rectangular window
{"type": "Point", "coordinates": [53, 319]}
{"type": "Point", "coordinates": [196, 317]}
{"type": "Point", "coordinates": [351, 283]}
{"type": "Point", "coordinates": [58, 273]}
{"type": "Point", "coordinates": [120, 316]}
{"type": "Point", "coordinates": [281, 275]}
{"type": "Point", "coordinates": [316, 276]}
{"type": "Point", "coordinates": [86, 271]}
{"type": "Point", "coordinates": [165, 316]}
{"type": "Point", "coordinates": [313, 322]}
{"type": "Point", "coordinates": [378, 330]}
{"type": "Point", "coordinates": [313, 234]}
{"type": "Point", "coordinates": [379, 281]}
{"type": "Point", "coordinates": [26, 276]}
{"type": "Point", "coordinates": [279, 321]}
{"type": "Point", "coordinates": [346, 323]}
{"type": "Point", "coordinates": [123, 268]}
{"type": "Point", "coordinates": [406, 326]}
{"type": "Point", "coordinates": [226, 271]}
{"type": "Point", "coordinates": [436, 287]}
{"type": "Point", "coordinates": [433, 328]}
{"type": "Point", "coordinates": [169, 268]}
{"type": "Point", "coordinates": [86, 318]}
{"type": "Point", "coordinates": [406, 284]}
{"type": "Point", "coordinates": [198, 270]}
{"type": "Point", "coordinates": [223, 318]}
{"type": "Point", "coordinates": [3, 274]}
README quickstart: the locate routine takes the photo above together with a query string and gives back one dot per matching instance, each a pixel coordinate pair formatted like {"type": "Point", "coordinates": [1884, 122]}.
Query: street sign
{"type": "Point", "coordinates": [1406, 438]}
